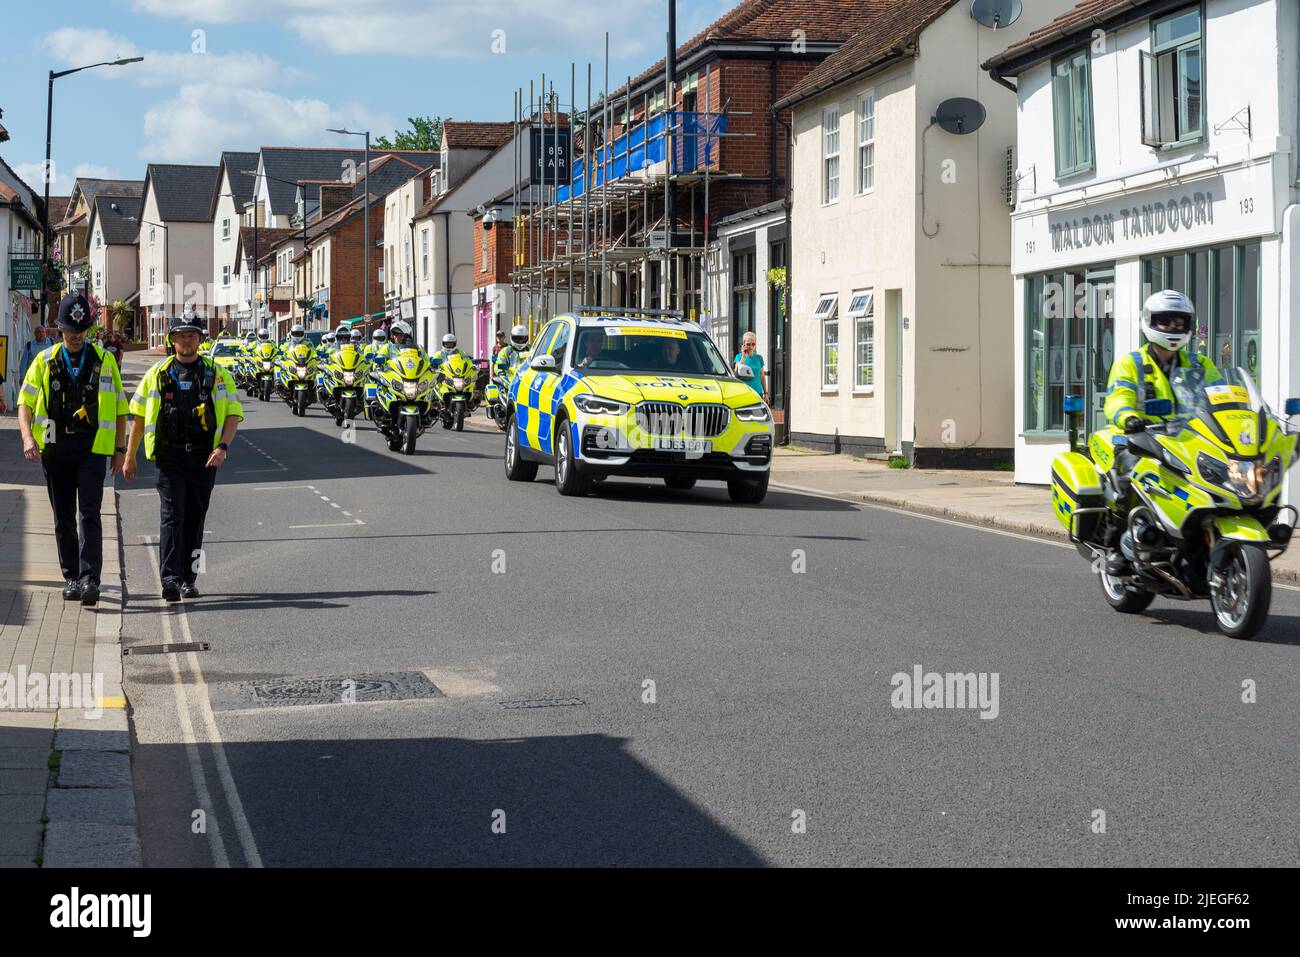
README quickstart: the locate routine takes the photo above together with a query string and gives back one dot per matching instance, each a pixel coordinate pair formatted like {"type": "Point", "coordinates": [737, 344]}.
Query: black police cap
{"type": "Point", "coordinates": [74, 313]}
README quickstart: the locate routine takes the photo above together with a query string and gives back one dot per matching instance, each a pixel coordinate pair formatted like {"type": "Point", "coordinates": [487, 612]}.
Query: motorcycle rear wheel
{"type": "Point", "coordinates": [1126, 599]}
{"type": "Point", "coordinates": [1241, 603]}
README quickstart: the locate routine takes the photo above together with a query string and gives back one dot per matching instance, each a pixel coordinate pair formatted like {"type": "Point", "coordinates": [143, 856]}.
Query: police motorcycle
{"type": "Point", "coordinates": [265, 354]}
{"type": "Point", "coordinates": [343, 381]}
{"type": "Point", "coordinates": [457, 387]}
{"type": "Point", "coordinates": [502, 375]}
{"type": "Point", "coordinates": [1191, 501]}
{"type": "Point", "coordinates": [406, 402]}
{"type": "Point", "coordinates": [296, 376]}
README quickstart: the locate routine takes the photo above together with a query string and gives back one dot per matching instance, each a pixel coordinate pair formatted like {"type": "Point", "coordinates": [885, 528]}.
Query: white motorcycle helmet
{"type": "Point", "coordinates": [402, 327]}
{"type": "Point", "coordinates": [379, 335]}
{"type": "Point", "coordinates": [519, 337]}
{"type": "Point", "coordinates": [297, 333]}
{"type": "Point", "coordinates": [355, 336]}
{"type": "Point", "coordinates": [449, 341]}
{"type": "Point", "coordinates": [263, 335]}
{"type": "Point", "coordinates": [328, 338]}
{"type": "Point", "coordinates": [1168, 319]}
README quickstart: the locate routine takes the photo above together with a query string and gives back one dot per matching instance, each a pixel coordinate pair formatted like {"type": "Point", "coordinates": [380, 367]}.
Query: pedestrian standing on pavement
{"type": "Point", "coordinates": [500, 343]}
{"type": "Point", "coordinates": [186, 410]}
{"type": "Point", "coordinates": [38, 343]}
{"type": "Point", "coordinates": [748, 356]}
{"type": "Point", "coordinates": [72, 414]}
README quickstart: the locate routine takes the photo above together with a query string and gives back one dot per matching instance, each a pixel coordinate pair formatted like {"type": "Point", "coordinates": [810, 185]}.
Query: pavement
{"type": "Point", "coordinates": [985, 498]}
{"type": "Point", "coordinates": [409, 660]}
{"type": "Point", "coordinates": [65, 788]}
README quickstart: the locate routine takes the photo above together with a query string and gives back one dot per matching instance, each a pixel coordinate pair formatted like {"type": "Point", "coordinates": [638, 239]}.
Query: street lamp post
{"type": "Point", "coordinates": [49, 132]}
{"type": "Point", "coordinates": [365, 200]}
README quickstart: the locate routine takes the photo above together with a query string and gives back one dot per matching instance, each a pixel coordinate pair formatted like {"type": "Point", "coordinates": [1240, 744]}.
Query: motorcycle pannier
{"type": "Point", "coordinates": [1076, 485]}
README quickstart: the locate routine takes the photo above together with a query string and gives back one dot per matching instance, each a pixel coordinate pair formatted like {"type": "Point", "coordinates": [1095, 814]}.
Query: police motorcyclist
{"type": "Point", "coordinates": [400, 335]}
{"type": "Point", "coordinates": [516, 350]}
{"type": "Point", "coordinates": [447, 351]}
{"type": "Point", "coordinates": [1168, 321]}
{"type": "Point", "coordinates": [379, 349]}
{"type": "Point", "coordinates": [72, 416]}
{"type": "Point", "coordinates": [186, 410]}
{"type": "Point", "coordinates": [297, 335]}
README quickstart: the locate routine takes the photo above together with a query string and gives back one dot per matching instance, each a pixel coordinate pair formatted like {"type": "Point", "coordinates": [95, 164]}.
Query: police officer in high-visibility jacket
{"type": "Point", "coordinates": [72, 414]}
{"type": "Point", "coordinates": [186, 411]}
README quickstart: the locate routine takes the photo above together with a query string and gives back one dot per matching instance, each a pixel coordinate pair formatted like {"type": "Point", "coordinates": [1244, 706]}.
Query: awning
{"type": "Point", "coordinates": [133, 298]}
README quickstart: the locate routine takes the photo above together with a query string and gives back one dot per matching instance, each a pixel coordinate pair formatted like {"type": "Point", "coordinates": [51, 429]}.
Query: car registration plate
{"type": "Point", "coordinates": [695, 446]}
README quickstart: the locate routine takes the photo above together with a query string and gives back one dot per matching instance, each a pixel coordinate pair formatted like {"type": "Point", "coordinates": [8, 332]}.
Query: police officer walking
{"type": "Point", "coordinates": [72, 414]}
{"type": "Point", "coordinates": [186, 411]}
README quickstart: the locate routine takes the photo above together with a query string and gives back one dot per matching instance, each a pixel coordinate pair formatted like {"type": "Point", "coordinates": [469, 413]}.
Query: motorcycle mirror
{"type": "Point", "coordinates": [1159, 407]}
{"type": "Point", "coordinates": [1292, 407]}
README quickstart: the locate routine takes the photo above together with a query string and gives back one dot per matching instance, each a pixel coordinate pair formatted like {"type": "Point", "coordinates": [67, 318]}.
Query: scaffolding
{"type": "Point", "coordinates": [604, 236]}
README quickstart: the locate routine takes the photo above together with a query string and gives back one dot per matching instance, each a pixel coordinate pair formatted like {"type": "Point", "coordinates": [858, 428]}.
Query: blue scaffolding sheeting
{"type": "Point", "coordinates": [695, 144]}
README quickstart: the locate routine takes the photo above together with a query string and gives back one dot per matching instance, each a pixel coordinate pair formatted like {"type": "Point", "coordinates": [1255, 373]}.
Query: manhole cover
{"type": "Point", "coordinates": [544, 703]}
{"type": "Point", "coordinates": [344, 689]}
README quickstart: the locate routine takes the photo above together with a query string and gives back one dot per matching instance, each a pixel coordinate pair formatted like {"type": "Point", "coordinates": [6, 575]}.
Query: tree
{"type": "Point", "coordinates": [425, 134]}
{"type": "Point", "coordinates": [119, 315]}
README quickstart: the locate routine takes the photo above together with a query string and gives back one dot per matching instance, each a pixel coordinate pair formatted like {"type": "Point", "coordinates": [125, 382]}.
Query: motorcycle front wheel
{"type": "Point", "coordinates": [412, 431]}
{"type": "Point", "coordinates": [1241, 600]}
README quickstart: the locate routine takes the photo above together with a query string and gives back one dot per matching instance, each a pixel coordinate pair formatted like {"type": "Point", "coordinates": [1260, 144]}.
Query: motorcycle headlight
{"type": "Point", "coordinates": [349, 378]}
{"type": "Point", "coordinates": [411, 389]}
{"type": "Point", "coordinates": [754, 413]}
{"type": "Point", "coordinates": [595, 405]}
{"type": "Point", "coordinates": [266, 366]}
{"type": "Point", "coordinates": [302, 372]}
{"type": "Point", "coordinates": [1246, 479]}
{"type": "Point", "coordinates": [458, 383]}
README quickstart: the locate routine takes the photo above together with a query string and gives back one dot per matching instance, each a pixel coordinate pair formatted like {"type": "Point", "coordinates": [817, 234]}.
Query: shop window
{"type": "Point", "coordinates": [827, 313]}
{"type": "Point", "coordinates": [1223, 284]}
{"type": "Point", "coordinates": [862, 311]}
{"type": "Point", "coordinates": [1069, 344]}
{"type": "Point", "coordinates": [1172, 81]}
{"type": "Point", "coordinates": [1072, 113]}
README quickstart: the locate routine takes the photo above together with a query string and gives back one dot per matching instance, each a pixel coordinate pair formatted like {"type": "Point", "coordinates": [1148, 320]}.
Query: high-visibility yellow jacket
{"type": "Point", "coordinates": [35, 394]}
{"type": "Point", "coordinates": [1136, 377]}
{"type": "Point", "coordinates": [147, 401]}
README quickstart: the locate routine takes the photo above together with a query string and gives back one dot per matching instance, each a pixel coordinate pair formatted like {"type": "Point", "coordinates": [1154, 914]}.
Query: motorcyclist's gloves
{"type": "Point", "coordinates": [1134, 423]}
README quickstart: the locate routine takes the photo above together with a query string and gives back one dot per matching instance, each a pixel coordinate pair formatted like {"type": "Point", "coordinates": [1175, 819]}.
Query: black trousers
{"type": "Point", "coordinates": [184, 491]}
{"type": "Point", "coordinates": [76, 487]}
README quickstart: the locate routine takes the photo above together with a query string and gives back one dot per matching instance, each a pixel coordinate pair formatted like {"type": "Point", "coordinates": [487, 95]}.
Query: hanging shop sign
{"type": "Point", "coordinates": [24, 274]}
{"type": "Point", "coordinates": [552, 151]}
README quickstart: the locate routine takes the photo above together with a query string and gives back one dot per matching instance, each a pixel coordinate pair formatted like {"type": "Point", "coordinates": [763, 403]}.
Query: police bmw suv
{"type": "Point", "coordinates": [638, 393]}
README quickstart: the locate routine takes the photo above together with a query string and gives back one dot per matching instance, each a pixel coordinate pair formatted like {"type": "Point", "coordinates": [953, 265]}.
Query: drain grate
{"type": "Point", "coordinates": [544, 703]}
{"type": "Point", "coordinates": [175, 649]}
{"type": "Point", "coordinates": [343, 689]}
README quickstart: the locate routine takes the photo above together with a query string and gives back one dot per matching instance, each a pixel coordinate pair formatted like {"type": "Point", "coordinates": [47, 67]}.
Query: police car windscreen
{"type": "Point", "coordinates": [224, 349]}
{"type": "Point", "coordinates": [664, 350]}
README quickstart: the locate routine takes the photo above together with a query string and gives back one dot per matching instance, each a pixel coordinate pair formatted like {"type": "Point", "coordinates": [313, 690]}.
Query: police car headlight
{"type": "Point", "coordinates": [412, 389]}
{"type": "Point", "coordinates": [595, 405]}
{"type": "Point", "coordinates": [754, 413]}
{"type": "Point", "coordinates": [349, 378]}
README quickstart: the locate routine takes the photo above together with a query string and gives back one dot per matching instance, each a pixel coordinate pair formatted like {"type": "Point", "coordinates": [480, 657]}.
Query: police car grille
{"type": "Point", "coordinates": [669, 418]}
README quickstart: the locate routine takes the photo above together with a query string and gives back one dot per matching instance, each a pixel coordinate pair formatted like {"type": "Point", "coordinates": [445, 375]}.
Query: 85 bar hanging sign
{"type": "Point", "coordinates": [551, 153]}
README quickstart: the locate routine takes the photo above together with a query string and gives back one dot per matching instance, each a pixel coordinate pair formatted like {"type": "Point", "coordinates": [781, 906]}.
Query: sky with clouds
{"type": "Point", "coordinates": [240, 74]}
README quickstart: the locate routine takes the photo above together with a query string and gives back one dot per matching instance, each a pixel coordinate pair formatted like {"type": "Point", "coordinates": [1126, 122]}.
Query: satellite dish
{"type": "Point", "coordinates": [960, 115]}
{"type": "Point", "coordinates": [996, 14]}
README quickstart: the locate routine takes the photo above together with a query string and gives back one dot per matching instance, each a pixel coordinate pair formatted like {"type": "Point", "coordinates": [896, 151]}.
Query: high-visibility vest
{"type": "Point", "coordinates": [147, 401]}
{"type": "Point", "coordinates": [35, 394]}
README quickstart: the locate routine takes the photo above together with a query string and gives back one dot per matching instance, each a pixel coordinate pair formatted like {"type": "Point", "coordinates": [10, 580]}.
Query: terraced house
{"type": "Point", "coordinates": [1157, 149]}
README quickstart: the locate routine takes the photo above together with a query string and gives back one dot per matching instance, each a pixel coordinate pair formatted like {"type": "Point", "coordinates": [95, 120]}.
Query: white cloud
{"type": "Point", "coordinates": [205, 118]}
{"type": "Point", "coordinates": [447, 29]}
{"type": "Point", "coordinates": [73, 46]}
{"type": "Point", "coordinates": [62, 181]}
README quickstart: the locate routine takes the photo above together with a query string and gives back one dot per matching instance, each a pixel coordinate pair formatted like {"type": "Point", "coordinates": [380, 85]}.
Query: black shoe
{"type": "Point", "coordinates": [90, 593]}
{"type": "Point", "coordinates": [189, 590]}
{"type": "Point", "coordinates": [72, 591]}
{"type": "Point", "coordinates": [1117, 565]}
{"type": "Point", "coordinates": [171, 590]}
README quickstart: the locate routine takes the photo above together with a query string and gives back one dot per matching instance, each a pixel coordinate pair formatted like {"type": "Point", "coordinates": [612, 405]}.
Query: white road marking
{"type": "Point", "coordinates": [355, 521]}
{"type": "Point", "coordinates": [236, 806]}
{"type": "Point", "coordinates": [277, 488]}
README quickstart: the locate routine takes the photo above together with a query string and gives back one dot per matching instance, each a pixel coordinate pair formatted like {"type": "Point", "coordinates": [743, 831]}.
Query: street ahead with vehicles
{"type": "Point", "coordinates": [400, 646]}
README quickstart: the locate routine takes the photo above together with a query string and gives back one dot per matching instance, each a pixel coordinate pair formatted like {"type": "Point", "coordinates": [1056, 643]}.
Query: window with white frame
{"type": "Point", "coordinates": [827, 313]}
{"type": "Point", "coordinates": [830, 154]}
{"type": "Point", "coordinates": [1172, 79]}
{"type": "Point", "coordinates": [424, 253]}
{"type": "Point", "coordinates": [867, 141]}
{"type": "Point", "coordinates": [225, 228]}
{"type": "Point", "coordinates": [151, 232]}
{"type": "Point", "coordinates": [1072, 113]}
{"type": "Point", "coordinates": [99, 240]}
{"type": "Point", "coordinates": [225, 275]}
{"type": "Point", "coordinates": [862, 311]}
{"type": "Point", "coordinates": [152, 279]}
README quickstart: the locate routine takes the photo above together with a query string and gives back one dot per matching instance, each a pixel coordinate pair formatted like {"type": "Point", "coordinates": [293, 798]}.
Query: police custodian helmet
{"type": "Point", "coordinates": [74, 313]}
